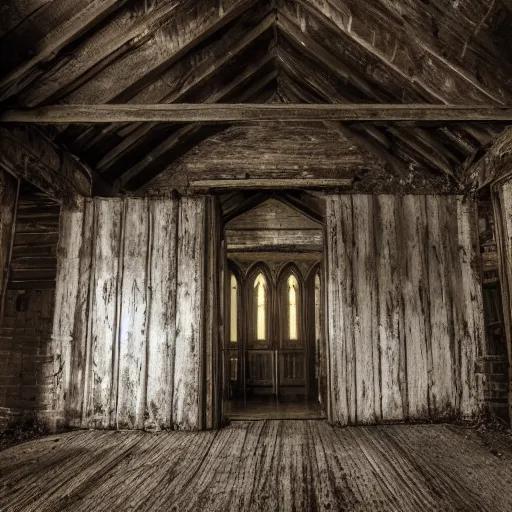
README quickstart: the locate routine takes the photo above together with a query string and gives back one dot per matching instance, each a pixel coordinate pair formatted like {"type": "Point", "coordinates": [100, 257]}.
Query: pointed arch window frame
{"type": "Point", "coordinates": [251, 301]}
{"type": "Point", "coordinates": [284, 305]}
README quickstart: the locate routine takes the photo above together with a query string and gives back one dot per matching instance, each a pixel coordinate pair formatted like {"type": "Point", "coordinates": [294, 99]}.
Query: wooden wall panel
{"type": "Point", "coordinates": [415, 298]}
{"type": "Point", "coordinates": [404, 308]}
{"type": "Point", "coordinates": [365, 305]}
{"type": "Point", "coordinates": [131, 291]}
{"type": "Point", "coordinates": [68, 269]}
{"type": "Point", "coordinates": [162, 313]}
{"type": "Point", "coordinates": [103, 316]}
{"type": "Point", "coordinates": [473, 336]}
{"type": "Point", "coordinates": [81, 317]}
{"type": "Point", "coordinates": [190, 314]}
{"type": "Point", "coordinates": [131, 392]}
{"type": "Point", "coordinates": [335, 286]}
{"type": "Point", "coordinates": [390, 286]}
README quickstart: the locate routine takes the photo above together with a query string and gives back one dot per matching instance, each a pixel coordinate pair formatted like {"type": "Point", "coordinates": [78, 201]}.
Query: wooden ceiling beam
{"type": "Point", "coordinates": [68, 72]}
{"type": "Point", "coordinates": [439, 154]}
{"type": "Point", "coordinates": [134, 134]}
{"type": "Point", "coordinates": [249, 113]}
{"type": "Point", "coordinates": [490, 163]}
{"type": "Point", "coordinates": [181, 134]}
{"type": "Point", "coordinates": [403, 48]}
{"type": "Point", "coordinates": [362, 138]}
{"type": "Point", "coordinates": [191, 25]}
{"type": "Point", "coordinates": [344, 72]}
{"type": "Point", "coordinates": [27, 154]}
{"type": "Point", "coordinates": [62, 23]}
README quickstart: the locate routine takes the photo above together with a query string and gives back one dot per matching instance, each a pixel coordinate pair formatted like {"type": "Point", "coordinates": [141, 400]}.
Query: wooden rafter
{"type": "Point", "coordinates": [490, 163]}
{"type": "Point", "coordinates": [199, 76]}
{"type": "Point", "coordinates": [183, 133]}
{"type": "Point", "coordinates": [236, 113]}
{"type": "Point", "coordinates": [26, 153]}
{"type": "Point", "coordinates": [65, 28]}
{"type": "Point", "coordinates": [146, 62]}
{"type": "Point", "coordinates": [417, 140]}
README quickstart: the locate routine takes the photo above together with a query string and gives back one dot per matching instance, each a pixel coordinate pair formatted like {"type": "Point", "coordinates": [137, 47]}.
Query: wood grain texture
{"type": "Point", "coordinates": [103, 339]}
{"type": "Point", "coordinates": [189, 359]}
{"type": "Point", "coordinates": [403, 308]}
{"type": "Point", "coordinates": [162, 313]}
{"type": "Point", "coordinates": [66, 296]}
{"type": "Point", "coordinates": [237, 113]}
{"type": "Point", "coordinates": [131, 294]}
{"type": "Point", "coordinates": [260, 465]}
{"type": "Point", "coordinates": [132, 379]}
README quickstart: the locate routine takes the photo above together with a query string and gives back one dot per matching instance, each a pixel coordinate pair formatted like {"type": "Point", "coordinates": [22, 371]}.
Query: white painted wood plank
{"type": "Point", "coordinates": [162, 313]}
{"type": "Point", "coordinates": [415, 291]}
{"type": "Point", "coordinates": [390, 288]}
{"type": "Point", "coordinates": [189, 314]}
{"type": "Point", "coordinates": [131, 392]}
{"type": "Point", "coordinates": [100, 407]}
{"type": "Point", "coordinates": [66, 293]}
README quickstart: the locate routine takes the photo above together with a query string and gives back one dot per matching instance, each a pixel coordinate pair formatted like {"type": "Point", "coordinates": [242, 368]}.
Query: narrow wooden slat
{"type": "Point", "coordinates": [472, 340]}
{"type": "Point", "coordinates": [162, 312]}
{"type": "Point", "coordinates": [100, 407]}
{"type": "Point", "coordinates": [347, 284]}
{"type": "Point", "coordinates": [62, 26]}
{"type": "Point", "coordinates": [77, 397]}
{"type": "Point", "coordinates": [390, 288]}
{"type": "Point", "coordinates": [189, 314]}
{"type": "Point", "coordinates": [131, 391]}
{"type": "Point", "coordinates": [66, 294]}
{"type": "Point", "coordinates": [416, 303]}
{"type": "Point", "coordinates": [441, 393]}
{"type": "Point", "coordinates": [242, 113]}
{"type": "Point", "coordinates": [335, 274]}
{"type": "Point", "coordinates": [367, 358]}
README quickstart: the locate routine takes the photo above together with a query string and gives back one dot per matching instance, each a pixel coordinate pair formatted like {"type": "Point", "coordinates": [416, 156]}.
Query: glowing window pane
{"type": "Point", "coordinates": [260, 288]}
{"type": "Point", "coordinates": [317, 307]}
{"type": "Point", "coordinates": [233, 335]}
{"type": "Point", "coordinates": [293, 290]}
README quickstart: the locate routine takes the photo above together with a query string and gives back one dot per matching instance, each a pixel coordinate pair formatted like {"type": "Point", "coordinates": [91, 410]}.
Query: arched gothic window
{"type": "Point", "coordinates": [293, 317]}
{"type": "Point", "coordinates": [233, 309]}
{"type": "Point", "coordinates": [290, 308]}
{"type": "Point", "coordinates": [260, 301]}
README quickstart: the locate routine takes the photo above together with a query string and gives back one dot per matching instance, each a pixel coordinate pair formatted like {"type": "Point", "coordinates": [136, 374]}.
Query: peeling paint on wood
{"type": "Point", "coordinates": [404, 305]}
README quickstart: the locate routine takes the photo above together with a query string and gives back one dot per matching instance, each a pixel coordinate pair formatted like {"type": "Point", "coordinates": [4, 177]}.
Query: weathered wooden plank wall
{"type": "Point", "coordinates": [129, 332]}
{"type": "Point", "coordinates": [404, 308]}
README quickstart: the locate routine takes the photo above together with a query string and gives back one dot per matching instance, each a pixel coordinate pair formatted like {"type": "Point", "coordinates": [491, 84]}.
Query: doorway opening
{"type": "Point", "coordinates": [273, 353]}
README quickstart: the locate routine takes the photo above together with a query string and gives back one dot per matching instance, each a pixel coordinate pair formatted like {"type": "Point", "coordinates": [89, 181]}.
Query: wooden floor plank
{"type": "Point", "coordinates": [300, 466]}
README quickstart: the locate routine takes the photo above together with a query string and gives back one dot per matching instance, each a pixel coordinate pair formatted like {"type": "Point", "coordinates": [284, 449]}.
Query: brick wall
{"type": "Point", "coordinates": [26, 328]}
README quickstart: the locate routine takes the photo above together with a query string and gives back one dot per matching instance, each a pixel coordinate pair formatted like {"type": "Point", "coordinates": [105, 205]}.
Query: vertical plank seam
{"type": "Point", "coordinates": [88, 343]}
{"type": "Point", "coordinates": [149, 300]}
{"type": "Point", "coordinates": [116, 349]}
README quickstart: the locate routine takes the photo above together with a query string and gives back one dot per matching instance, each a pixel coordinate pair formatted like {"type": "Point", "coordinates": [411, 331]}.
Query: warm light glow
{"type": "Point", "coordinates": [260, 287]}
{"type": "Point", "coordinates": [233, 326]}
{"type": "Point", "coordinates": [293, 290]}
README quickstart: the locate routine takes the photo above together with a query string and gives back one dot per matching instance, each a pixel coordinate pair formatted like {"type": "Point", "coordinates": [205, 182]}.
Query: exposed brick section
{"type": "Point", "coordinates": [25, 333]}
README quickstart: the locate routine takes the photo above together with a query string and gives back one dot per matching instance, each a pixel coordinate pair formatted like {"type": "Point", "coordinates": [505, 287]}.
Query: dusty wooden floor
{"type": "Point", "coordinates": [264, 465]}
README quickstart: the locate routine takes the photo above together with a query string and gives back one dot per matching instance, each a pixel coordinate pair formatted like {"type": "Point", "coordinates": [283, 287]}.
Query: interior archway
{"type": "Point", "coordinates": [271, 347]}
